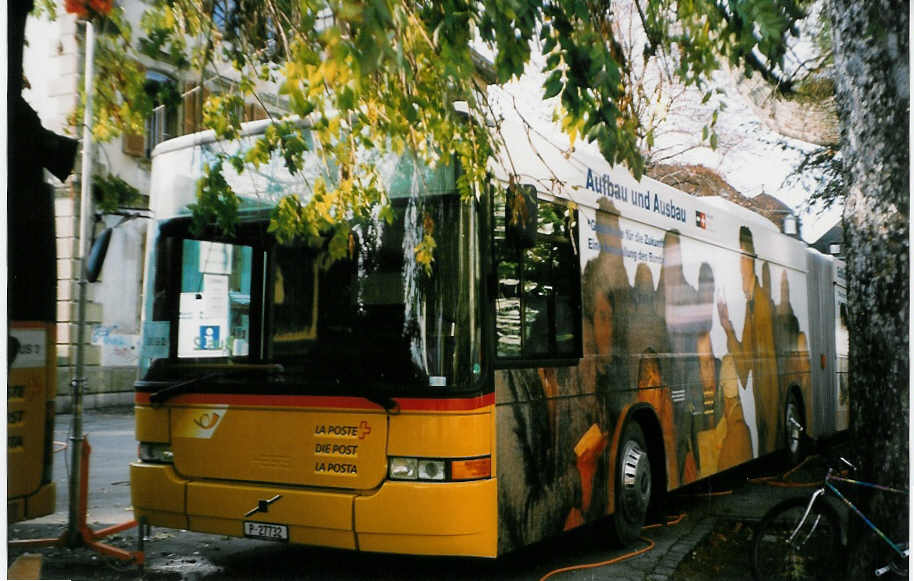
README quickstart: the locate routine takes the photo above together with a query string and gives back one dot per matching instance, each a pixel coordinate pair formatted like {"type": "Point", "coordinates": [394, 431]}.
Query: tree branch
{"type": "Point", "coordinates": [754, 61]}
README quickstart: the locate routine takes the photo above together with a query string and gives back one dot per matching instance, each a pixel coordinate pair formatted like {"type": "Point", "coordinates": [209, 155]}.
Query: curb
{"type": "Point", "coordinates": [680, 548]}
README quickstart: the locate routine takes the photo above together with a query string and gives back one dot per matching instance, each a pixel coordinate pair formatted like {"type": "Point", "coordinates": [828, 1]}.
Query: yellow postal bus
{"type": "Point", "coordinates": [625, 340]}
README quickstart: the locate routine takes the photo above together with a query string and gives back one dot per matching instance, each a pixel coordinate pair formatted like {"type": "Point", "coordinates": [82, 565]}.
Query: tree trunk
{"type": "Point", "coordinates": [872, 91]}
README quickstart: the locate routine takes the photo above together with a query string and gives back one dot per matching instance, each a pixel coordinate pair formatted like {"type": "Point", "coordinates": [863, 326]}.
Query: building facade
{"type": "Point", "coordinates": [53, 65]}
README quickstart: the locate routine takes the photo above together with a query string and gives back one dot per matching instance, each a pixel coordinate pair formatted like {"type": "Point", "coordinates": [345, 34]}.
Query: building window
{"type": "Point", "coordinates": [193, 100]}
{"type": "Point", "coordinates": [223, 13]}
{"type": "Point", "coordinates": [162, 123]}
{"type": "Point", "coordinates": [537, 302]}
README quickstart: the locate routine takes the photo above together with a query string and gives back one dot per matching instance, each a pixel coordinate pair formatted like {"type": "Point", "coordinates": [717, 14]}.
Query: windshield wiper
{"type": "Point", "coordinates": [171, 391]}
{"type": "Point", "coordinates": [175, 389]}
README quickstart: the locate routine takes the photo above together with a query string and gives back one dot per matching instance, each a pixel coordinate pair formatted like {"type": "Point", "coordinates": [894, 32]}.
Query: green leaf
{"type": "Point", "coordinates": [553, 85]}
{"type": "Point", "coordinates": [549, 40]}
{"type": "Point", "coordinates": [237, 163]}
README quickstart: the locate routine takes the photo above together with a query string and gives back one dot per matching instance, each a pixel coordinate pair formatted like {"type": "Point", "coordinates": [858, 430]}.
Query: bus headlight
{"type": "Point", "coordinates": [439, 470]}
{"type": "Point", "coordinates": [403, 468]}
{"type": "Point", "coordinates": [155, 452]}
{"type": "Point", "coordinates": [431, 469]}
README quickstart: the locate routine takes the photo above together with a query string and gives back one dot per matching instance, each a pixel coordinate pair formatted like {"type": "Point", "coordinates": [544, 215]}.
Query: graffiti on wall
{"type": "Point", "coordinates": [119, 349]}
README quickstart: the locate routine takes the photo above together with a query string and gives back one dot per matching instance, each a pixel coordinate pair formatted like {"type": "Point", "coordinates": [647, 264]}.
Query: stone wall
{"type": "Point", "coordinates": [106, 384]}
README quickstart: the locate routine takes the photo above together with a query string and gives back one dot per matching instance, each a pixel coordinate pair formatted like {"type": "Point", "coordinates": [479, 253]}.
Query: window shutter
{"type": "Point", "coordinates": [254, 112]}
{"type": "Point", "coordinates": [134, 144]}
{"type": "Point", "coordinates": [202, 96]}
{"type": "Point", "coordinates": [191, 108]}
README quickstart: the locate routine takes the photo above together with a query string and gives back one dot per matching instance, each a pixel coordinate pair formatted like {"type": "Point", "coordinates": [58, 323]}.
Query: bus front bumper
{"type": "Point", "coordinates": [457, 518]}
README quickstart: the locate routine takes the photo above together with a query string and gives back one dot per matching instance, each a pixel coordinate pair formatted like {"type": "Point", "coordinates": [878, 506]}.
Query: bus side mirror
{"type": "Point", "coordinates": [97, 255]}
{"type": "Point", "coordinates": [520, 216]}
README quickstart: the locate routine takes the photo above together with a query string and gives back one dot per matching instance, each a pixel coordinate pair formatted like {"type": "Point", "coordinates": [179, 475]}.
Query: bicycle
{"type": "Point", "coordinates": [801, 538]}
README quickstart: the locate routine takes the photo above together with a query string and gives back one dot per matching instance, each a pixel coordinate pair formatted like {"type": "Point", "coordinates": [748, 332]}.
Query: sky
{"type": "Point", "coordinates": [750, 156]}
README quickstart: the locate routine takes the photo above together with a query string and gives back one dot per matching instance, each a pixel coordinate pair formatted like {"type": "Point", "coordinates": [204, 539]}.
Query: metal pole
{"type": "Point", "coordinates": [79, 379]}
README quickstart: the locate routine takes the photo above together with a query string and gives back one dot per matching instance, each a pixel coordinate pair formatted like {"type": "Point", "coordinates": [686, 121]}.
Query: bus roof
{"type": "Point", "coordinates": [541, 156]}
{"type": "Point", "coordinates": [537, 155]}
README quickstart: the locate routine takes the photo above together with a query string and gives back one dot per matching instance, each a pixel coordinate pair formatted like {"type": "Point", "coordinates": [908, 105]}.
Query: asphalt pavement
{"type": "Point", "coordinates": [172, 554]}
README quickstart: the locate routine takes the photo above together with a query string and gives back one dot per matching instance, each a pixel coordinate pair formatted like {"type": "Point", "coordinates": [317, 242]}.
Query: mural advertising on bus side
{"type": "Point", "coordinates": [709, 333]}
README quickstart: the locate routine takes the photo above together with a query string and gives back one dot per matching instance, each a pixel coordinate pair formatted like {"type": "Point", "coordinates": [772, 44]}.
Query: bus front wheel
{"type": "Point", "coordinates": [632, 484]}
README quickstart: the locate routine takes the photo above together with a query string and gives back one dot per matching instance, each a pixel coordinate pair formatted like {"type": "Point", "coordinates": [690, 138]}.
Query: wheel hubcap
{"type": "Point", "coordinates": [636, 479]}
{"type": "Point", "coordinates": [793, 432]}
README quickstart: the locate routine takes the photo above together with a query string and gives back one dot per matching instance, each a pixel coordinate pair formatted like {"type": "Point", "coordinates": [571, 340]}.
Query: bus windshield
{"type": "Point", "coordinates": [376, 316]}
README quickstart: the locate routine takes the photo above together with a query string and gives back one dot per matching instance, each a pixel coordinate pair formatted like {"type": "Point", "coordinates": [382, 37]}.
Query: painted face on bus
{"type": "Point", "coordinates": [747, 260]}
{"type": "Point", "coordinates": [706, 293]}
{"type": "Point", "coordinates": [602, 323]}
{"type": "Point", "coordinates": [802, 357]}
{"type": "Point", "coordinates": [672, 252]}
{"type": "Point", "coordinates": [706, 361]}
{"type": "Point", "coordinates": [747, 269]}
{"type": "Point", "coordinates": [649, 373]}
{"type": "Point", "coordinates": [785, 288]}
{"type": "Point", "coordinates": [728, 378]}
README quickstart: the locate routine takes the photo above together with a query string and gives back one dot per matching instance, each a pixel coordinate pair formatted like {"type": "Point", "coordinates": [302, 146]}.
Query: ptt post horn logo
{"type": "Point", "coordinates": [262, 506]}
{"type": "Point", "coordinates": [207, 420]}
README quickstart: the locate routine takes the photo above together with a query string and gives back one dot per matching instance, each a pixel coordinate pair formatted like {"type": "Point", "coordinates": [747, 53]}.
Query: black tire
{"type": "Point", "coordinates": [632, 485]}
{"type": "Point", "coordinates": [815, 552]}
{"type": "Point", "coordinates": [795, 439]}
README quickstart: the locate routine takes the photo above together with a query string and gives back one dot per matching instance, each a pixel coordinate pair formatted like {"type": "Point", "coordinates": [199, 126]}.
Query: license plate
{"type": "Point", "coordinates": [266, 531]}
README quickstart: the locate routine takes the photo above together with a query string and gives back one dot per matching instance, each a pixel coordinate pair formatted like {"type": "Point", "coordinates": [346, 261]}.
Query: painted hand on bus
{"type": "Point", "coordinates": [724, 313]}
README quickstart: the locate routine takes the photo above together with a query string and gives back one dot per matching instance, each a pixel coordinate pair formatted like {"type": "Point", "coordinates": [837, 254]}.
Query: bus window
{"type": "Point", "coordinates": [215, 298]}
{"type": "Point", "coordinates": [537, 305]}
{"type": "Point", "coordinates": [375, 315]}
{"type": "Point", "coordinates": [295, 298]}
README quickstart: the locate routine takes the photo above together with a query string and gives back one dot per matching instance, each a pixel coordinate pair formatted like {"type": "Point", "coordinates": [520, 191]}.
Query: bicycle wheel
{"type": "Point", "coordinates": [787, 547]}
{"type": "Point", "coordinates": [899, 564]}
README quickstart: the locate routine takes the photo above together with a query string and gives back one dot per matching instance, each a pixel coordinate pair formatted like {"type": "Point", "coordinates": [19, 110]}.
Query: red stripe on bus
{"type": "Point", "coordinates": [445, 404]}
{"type": "Point", "coordinates": [320, 401]}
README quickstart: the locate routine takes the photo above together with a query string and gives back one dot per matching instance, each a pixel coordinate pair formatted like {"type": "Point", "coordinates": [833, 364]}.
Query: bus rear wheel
{"type": "Point", "coordinates": [632, 485]}
{"type": "Point", "coordinates": [794, 430]}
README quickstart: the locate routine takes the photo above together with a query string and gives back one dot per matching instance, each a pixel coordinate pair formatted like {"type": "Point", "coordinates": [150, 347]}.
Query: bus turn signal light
{"type": "Point", "coordinates": [472, 469]}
